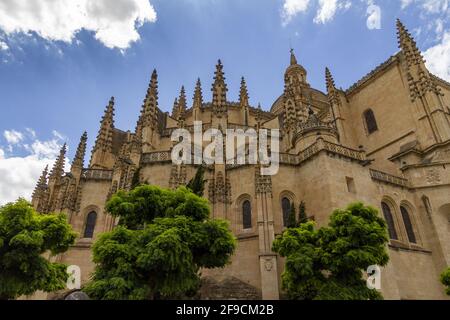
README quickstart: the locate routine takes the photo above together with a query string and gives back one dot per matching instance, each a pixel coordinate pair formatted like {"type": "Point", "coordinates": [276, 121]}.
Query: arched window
{"type": "Point", "coordinates": [90, 225]}
{"type": "Point", "coordinates": [389, 220]}
{"type": "Point", "coordinates": [247, 214]}
{"type": "Point", "coordinates": [286, 207]}
{"type": "Point", "coordinates": [408, 225]}
{"type": "Point", "coordinates": [371, 122]}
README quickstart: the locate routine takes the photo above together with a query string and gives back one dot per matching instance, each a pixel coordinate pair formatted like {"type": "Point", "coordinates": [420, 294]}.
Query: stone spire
{"type": "Point", "coordinates": [219, 90]}
{"type": "Point", "coordinates": [293, 58]}
{"type": "Point", "coordinates": [243, 94]}
{"type": "Point", "coordinates": [295, 74]}
{"type": "Point", "coordinates": [175, 109]}
{"type": "Point", "coordinates": [333, 95]}
{"type": "Point", "coordinates": [41, 184]}
{"type": "Point", "coordinates": [198, 95]}
{"type": "Point", "coordinates": [408, 45]}
{"type": "Point", "coordinates": [58, 167]}
{"type": "Point", "coordinates": [78, 161]}
{"type": "Point", "coordinates": [182, 103]}
{"type": "Point", "coordinates": [40, 194]}
{"type": "Point", "coordinates": [258, 117]}
{"type": "Point", "coordinates": [149, 108]}
{"type": "Point", "coordinates": [105, 134]}
{"type": "Point", "coordinates": [329, 80]}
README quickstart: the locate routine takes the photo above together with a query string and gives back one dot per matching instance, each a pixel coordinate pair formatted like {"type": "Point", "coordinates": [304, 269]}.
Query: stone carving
{"type": "Point", "coordinates": [263, 184]}
{"type": "Point", "coordinates": [433, 176]}
{"type": "Point", "coordinates": [219, 189]}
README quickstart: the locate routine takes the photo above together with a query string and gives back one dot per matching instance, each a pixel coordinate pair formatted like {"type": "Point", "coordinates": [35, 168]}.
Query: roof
{"type": "Point", "coordinates": [379, 69]}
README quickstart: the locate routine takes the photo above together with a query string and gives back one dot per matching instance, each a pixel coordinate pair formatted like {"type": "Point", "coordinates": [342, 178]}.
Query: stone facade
{"type": "Point", "coordinates": [384, 141]}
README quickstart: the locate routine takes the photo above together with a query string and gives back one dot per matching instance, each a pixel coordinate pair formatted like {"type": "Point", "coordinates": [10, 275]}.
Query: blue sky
{"type": "Point", "coordinates": [59, 64]}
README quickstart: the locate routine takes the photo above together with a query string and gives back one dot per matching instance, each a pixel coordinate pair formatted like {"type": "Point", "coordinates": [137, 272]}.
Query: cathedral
{"type": "Point", "coordinates": [384, 141]}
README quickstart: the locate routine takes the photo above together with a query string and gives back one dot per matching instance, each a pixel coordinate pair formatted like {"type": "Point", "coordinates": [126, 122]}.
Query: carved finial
{"type": "Point", "coordinates": [198, 95]}
{"type": "Point", "coordinates": [182, 102]}
{"type": "Point", "coordinates": [408, 45]}
{"type": "Point", "coordinates": [105, 134]}
{"type": "Point", "coordinates": [78, 161]}
{"type": "Point", "coordinates": [148, 117]}
{"type": "Point", "coordinates": [243, 94]}
{"type": "Point", "coordinates": [293, 58]}
{"type": "Point", "coordinates": [219, 89]}
{"type": "Point", "coordinates": [42, 182]}
{"type": "Point", "coordinates": [41, 185]}
{"type": "Point", "coordinates": [58, 167]}
{"type": "Point", "coordinates": [329, 80]}
{"type": "Point", "coordinates": [175, 109]}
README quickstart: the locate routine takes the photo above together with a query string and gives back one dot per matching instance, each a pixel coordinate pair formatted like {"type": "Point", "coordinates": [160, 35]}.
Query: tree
{"type": "Point", "coordinates": [165, 237]}
{"type": "Point", "coordinates": [25, 236]}
{"type": "Point", "coordinates": [197, 183]}
{"type": "Point", "coordinates": [445, 279]}
{"type": "Point", "coordinates": [292, 221]}
{"type": "Point", "coordinates": [302, 216]}
{"type": "Point", "coordinates": [327, 263]}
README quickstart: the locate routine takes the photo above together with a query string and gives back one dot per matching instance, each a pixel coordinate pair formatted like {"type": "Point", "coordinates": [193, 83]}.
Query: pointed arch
{"type": "Point", "coordinates": [389, 217]}
{"type": "Point", "coordinates": [408, 224]}
{"type": "Point", "coordinates": [287, 199]}
{"type": "Point", "coordinates": [247, 214]}
{"type": "Point", "coordinates": [245, 219]}
{"type": "Point", "coordinates": [89, 228]}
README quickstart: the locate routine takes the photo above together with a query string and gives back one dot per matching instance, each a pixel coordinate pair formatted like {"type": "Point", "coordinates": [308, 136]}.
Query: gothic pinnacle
{"type": "Point", "coordinates": [58, 167]}
{"type": "Point", "coordinates": [43, 179]}
{"type": "Point", "coordinates": [42, 182]}
{"type": "Point", "coordinates": [182, 102]}
{"type": "Point", "coordinates": [331, 86]}
{"type": "Point", "coordinates": [149, 108]}
{"type": "Point", "coordinates": [293, 58]}
{"type": "Point", "coordinates": [78, 161]}
{"type": "Point", "coordinates": [198, 95]}
{"type": "Point", "coordinates": [408, 45]}
{"type": "Point", "coordinates": [243, 94]}
{"type": "Point", "coordinates": [105, 134]}
{"type": "Point", "coordinates": [219, 90]}
{"type": "Point", "coordinates": [175, 109]}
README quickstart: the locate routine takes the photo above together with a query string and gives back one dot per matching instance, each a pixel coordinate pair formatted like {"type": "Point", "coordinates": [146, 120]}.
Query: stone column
{"type": "Point", "coordinates": [267, 258]}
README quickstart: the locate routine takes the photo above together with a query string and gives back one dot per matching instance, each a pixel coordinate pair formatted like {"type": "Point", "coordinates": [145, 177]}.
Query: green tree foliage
{"type": "Point", "coordinates": [302, 216]}
{"type": "Point", "coordinates": [197, 183]}
{"type": "Point", "coordinates": [327, 264]}
{"type": "Point", "coordinates": [25, 236]}
{"type": "Point", "coordinates": [292, 221]}
{"type": "Point", "coordinates": [163, 240]}
{"type": "Point", "coordinates": [445, 279]}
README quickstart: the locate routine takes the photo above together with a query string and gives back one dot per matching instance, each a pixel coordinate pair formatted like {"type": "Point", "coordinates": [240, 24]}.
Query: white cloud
{"type": "Point", "coordinates": [430, 6]}
{"type": "Point", "coordinates": [373, 17]}
{"type": "Point", "coordinates": [114, 23]}
{"type": "Point", "coordinates": [31, 132]}
{"type": "Point", "coordinates": [406, 3]}
{"type": "Point", "coordinates": [19, 174]}
{"type": "Point", "coordinates": [13, 136]}
{"type": "Point", "coordinates": [3, 45]}
{"type": "Point", "coordinates": [328, 8]}
{"type": "Point", "coordinates": [291, 8]}
{"type": "Point", "coordinates": [435, 6]}
{"type": "Point", "coordinates": [438, 57]}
